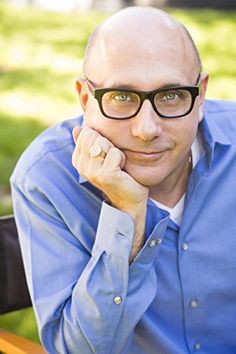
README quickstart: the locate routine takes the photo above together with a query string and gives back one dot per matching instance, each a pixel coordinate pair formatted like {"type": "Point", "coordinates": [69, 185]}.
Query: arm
{"type": "Point", "coordinates": [107, 173]}
{"type": "Point", "coordinates": [77, 262]}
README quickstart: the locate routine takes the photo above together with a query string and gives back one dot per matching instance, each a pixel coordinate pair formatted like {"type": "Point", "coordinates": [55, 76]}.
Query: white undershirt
{"type": "Point", "coordinates": [176, 212]}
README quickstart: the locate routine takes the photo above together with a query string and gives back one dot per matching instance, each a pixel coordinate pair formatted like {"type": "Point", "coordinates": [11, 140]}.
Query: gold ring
{"type": "Point", "coordinates": [95, 150]}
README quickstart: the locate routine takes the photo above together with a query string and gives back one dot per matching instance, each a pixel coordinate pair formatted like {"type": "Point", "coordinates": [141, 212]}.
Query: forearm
{"type": "Point", "coordinates": [96, 324]}
{"type": "Point", "coordinates": [74, 275]}
{"type": "Point", "coordinates": [138, 216]}
{"type": "Point", "coordinates": [73, 292]}
{"type": "Point", "coordinates": [110, 297]}
{"type": "Point", "coordinates": [139, 233]}
{"type": "Point", "coordinates": [90, 318]}
{"type": "Point", "coordinates": [107, 173]}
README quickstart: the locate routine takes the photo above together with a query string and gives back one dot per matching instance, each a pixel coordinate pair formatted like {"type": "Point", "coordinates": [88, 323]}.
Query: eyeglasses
{"type": "Point", "coordinates": [168, 102]}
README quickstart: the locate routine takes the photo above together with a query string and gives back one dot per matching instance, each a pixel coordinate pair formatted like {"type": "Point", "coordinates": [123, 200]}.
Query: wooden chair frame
{"type": "Point", "coordinates": [13, 344]}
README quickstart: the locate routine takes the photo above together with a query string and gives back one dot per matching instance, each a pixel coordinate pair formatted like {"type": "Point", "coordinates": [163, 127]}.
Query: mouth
{"type": "Point", "coordinates": [144, 156]}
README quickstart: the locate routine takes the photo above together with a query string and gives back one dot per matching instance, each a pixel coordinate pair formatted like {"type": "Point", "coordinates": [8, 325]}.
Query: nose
{"type": "Point", "coordinates": [146, 124]}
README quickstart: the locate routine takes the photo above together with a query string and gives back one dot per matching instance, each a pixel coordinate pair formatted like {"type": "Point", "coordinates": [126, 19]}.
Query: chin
{"type": "Point", "coordinates": [147, 176]}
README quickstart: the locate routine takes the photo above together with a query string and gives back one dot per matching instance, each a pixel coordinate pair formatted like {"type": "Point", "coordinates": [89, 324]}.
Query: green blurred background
{"type": "Point", "coordinates": [40, 58]}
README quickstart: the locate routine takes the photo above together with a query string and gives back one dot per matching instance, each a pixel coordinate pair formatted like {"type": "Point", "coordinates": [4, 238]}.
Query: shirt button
{"type": "Point", "coordinates": [155, 242]}
{"type": "Point", "coordinates": [184, 246]}
{"type": "Point", "coordinates": [117, 300]}
{"type": "Point", "coordinates": [193, 303]}
{"type": "Point", "coordinates": [197, 346]}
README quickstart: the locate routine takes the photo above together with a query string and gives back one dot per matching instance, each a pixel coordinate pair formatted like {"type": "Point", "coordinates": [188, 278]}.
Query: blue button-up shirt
{"type": "Point", "coordinates": [179, 294]}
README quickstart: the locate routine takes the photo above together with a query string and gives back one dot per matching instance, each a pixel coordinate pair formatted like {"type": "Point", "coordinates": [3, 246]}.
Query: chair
{"type": "Point", "coordinates": [14, 293]}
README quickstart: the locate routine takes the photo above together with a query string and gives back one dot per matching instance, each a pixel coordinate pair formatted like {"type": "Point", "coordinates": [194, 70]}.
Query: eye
{"type": "Point", "coordinates": [170, 96]}
{"type": "Point", "coordinates": [121, 97]}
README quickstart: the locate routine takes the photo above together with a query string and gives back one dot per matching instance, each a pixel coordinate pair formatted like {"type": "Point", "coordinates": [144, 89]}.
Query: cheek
{"type": "Point", "coordinates": [110, 129]}
{"type": "Point", "coordinates": [94, 119]}
{"type": "Point", "coordinates": [184, 133]}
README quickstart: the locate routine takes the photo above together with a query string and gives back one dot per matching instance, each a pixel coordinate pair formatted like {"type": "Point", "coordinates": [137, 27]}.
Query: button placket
{"type": "Point", "coordinates": [192, 304]}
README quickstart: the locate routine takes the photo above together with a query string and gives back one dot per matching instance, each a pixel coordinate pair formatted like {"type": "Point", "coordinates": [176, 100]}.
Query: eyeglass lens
{"type": "Point", "coordinates": [169, 103]}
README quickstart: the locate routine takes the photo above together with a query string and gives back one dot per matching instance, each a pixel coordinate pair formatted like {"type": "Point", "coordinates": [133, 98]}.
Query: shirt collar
{"type": "Point", "coordinates": [82, 179]}
{"type": "Point", "coordinates": [211, 132]}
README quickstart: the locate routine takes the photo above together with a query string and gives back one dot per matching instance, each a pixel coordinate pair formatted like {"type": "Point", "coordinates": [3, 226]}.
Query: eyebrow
{"type": "Point", "coordinates": [131, 87]}
{"type": "Point", "coordinates": [171, 84]}
{"type": "Point", "coordinates": [126, 86]}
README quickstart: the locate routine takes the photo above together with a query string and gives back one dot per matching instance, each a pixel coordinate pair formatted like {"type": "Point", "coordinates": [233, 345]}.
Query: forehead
{"type": "Point", "coordinates": [149, 56]}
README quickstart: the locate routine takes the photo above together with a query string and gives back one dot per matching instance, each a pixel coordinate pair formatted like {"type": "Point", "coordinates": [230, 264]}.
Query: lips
{"type": "Point", "coordinates": [144, 156]}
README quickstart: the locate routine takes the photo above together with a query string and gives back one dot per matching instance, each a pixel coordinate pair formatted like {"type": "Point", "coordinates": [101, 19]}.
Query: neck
{"type": "Point", "coordinates": [170, 191]}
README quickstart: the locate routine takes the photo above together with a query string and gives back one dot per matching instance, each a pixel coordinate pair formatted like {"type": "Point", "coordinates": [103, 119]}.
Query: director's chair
{"type": "Point", "coordinates": [14, 293]}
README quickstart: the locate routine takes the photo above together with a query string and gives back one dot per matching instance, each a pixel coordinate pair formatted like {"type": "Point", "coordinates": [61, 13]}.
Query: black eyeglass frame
{"type": "Point", "coordinates": [143, 95]}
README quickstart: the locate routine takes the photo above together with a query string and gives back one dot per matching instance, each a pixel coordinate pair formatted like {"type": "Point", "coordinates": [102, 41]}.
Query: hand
{"type": "Point", "coordinates": [106, 173]}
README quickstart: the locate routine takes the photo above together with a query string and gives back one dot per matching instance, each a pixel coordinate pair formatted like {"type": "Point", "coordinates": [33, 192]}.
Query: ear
{"type": "Point", "coordinates": [82, 92]}
{"type": "Point", "coordinates": [203, 89]}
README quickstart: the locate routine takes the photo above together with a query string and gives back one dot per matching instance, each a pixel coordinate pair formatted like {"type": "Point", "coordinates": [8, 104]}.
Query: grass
{"type": "Point", "coordinates": [40, 58]}
{"type": "Point", "coordinates": [21, 322]}
{"type": "Point", "coordinates": [214, 32]}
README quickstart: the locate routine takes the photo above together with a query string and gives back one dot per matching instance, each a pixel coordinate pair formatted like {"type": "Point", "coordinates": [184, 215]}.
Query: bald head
{"type": "Point", "coordinates": [136, 28]}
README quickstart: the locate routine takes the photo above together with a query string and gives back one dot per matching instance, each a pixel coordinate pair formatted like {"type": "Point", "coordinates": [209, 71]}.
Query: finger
{"type": "Point", "coordinates": [85, 137]}
{"type": "Point", "coordinates": [75, 133]}
{"type": "Point", "coordinates": [105, 145]}
{"type": "Point", "coordinates": [123, 159]}
{"type": "Point", "coordinates": [101, 171]}
{"type": "Point", "coordinates": [81, 155]}
{"type": "Point", "coordinates": [85, 140]}
{"type": "Point", "coordinates": [115, 159]}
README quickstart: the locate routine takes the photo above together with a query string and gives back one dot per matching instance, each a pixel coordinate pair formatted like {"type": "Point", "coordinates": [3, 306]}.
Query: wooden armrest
{"type": "Point", "coordinates": [13, 344]}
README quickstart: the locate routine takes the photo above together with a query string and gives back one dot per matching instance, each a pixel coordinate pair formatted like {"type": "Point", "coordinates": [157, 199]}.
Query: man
{"type": "Point", "coordinates": [127, 229]}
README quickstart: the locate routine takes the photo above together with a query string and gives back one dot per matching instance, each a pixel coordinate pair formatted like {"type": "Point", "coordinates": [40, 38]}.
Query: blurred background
{"type": "Point", "coordinates": [41, 49]}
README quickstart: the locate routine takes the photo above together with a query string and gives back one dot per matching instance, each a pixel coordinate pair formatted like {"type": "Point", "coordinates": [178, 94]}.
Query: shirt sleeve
{"type": "Point", "coordinates": [82, 299]}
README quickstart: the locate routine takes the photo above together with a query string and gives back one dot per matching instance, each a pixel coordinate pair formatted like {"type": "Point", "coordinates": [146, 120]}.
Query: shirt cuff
{"type": "Point", "coordinates": [114, 233]}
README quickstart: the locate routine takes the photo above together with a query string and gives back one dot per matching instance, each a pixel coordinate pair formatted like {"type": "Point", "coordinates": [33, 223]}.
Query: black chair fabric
{"type": "Point", "coordinates": [14, 294]}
